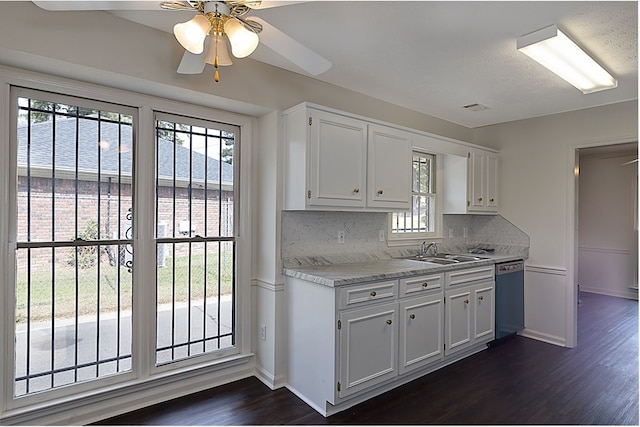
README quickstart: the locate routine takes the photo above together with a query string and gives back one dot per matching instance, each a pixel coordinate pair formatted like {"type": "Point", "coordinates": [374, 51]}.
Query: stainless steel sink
{"type": "Point", "coordinates": [446, 259]}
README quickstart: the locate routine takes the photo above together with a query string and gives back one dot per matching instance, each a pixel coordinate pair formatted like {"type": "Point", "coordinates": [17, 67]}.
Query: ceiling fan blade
{"type": "Point", "coordinates": [56, 5]}
{"type": "Point", "coordinates": [290, 49]}
{"type": "Point", "coordinates": [266, 4]}
{"type": "Point", "coordinates": [191, 63]}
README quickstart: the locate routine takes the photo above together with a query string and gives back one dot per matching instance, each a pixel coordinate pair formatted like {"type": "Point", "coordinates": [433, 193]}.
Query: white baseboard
{"type": "Point", "coordinates": [269, 380]}
{"type": "Point", "coordinates": [539, 336]}
{"type": "Point", "coordinates": [632, 294]}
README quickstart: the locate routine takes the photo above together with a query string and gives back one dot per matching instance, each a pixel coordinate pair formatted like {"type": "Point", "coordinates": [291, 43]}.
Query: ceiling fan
{"type": "Point", "coordinates": [216, 26]}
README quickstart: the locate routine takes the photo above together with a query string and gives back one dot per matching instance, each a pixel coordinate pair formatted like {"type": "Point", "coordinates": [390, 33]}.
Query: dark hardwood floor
{"type": "Point", "coordinates": [522, 381]}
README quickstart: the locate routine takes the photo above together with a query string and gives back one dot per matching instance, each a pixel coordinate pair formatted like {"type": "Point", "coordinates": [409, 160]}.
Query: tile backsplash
{"type": "Point", "coordinates": [311, 238]}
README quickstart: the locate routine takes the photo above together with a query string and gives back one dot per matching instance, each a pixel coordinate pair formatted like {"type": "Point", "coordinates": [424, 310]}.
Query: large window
{"type": "Point", "coordinates": [73, 257]}
{"type": "Point", "coordinates": [420, 221]}
{"type": "Point", "coordinates": [78, 211]}
{"type": "Point", "coordinates": [195, 237]}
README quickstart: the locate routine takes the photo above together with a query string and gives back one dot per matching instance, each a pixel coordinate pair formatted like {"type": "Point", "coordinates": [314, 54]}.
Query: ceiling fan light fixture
{"type": "Point", "coordinates": [243, 41]}
{"type": "Point", "coordinates": [554, 50]}
{"type": "Point", "coordinates": [191, 34]}
{"type": "Point", "coordinates": [222, 54]}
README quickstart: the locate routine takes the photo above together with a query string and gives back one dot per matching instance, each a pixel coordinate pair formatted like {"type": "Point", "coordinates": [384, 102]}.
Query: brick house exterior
{"type": "Point", "coordinates": [108, 202]}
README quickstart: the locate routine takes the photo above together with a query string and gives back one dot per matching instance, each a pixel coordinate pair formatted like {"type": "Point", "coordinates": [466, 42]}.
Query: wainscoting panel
{"type": "Point", "coordinates": [606, 271]}
{"type": "Point", "coordinates": [544, 310]}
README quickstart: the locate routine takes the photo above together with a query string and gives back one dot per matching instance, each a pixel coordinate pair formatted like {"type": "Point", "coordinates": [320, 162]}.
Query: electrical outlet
{"type": "Point", "coordinates": [341, 236]}
{"type": "Point", "coordinates": [465, 233]}
{"type": "Point", "coordinates": [263, 332]}
{"type": "Point", "coordinates": [381, 237]}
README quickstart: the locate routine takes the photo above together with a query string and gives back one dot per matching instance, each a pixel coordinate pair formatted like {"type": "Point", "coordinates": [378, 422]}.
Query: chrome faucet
{"type": "Point", "coordinates": [425, 248]}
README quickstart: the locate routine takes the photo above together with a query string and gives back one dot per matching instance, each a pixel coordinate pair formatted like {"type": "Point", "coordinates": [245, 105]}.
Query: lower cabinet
{"type": "Point", "coordinates": [421, 332]}
{"type": "Point", "coordinates": [470, 316]}
{"type": "Point", "coordinates": [368, 343]}
{"type": "Point", "coordinates": [349, 343]}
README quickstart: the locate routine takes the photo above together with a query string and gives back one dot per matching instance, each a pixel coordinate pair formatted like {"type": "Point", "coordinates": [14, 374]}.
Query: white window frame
{"type": "Point", "coordinates": [413, 238]}
{"type": "Point", "coordinates": [201, 372]}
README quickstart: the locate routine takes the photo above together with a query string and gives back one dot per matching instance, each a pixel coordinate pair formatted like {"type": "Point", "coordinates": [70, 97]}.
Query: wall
{"type": "Point", "coordinates": [537, 192]}
{"type": "Point", "coordinates": [608, 235]}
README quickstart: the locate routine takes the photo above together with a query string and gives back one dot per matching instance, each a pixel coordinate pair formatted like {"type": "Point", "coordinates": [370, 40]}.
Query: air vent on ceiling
{"type": "Point", "coordinates": [475, 107]}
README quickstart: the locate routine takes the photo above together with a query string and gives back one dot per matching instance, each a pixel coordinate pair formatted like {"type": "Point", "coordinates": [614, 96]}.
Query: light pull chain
{"type": "Point", "coordinates": [216, 75]}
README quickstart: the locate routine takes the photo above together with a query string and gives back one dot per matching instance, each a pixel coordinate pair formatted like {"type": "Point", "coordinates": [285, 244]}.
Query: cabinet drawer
{"type": "Point", "coordinates": [458, 277]}
{"type": "Point", "coordinates": [354, 296]}
{"type": "Point", "coordinates": [419, 285]}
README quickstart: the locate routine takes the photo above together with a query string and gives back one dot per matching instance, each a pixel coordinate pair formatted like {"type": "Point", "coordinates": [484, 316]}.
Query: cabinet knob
{"type": "Point", "coordinates": [480, 297]}
{"type": "Point", "coordinates": [389, 322]}
{"type": "Point", "coordinates": [492, 200]}
{"type": "Point", "coordinates": [412, 316]}
{"type": "Point", "coordinates": [479, 199]}
{"type": "Point", "coordinates": [425, 284]}
{"type": "Point", "coordinates": [466, 301]}
{"type": "Point", "coordinates": [380, 192]}
{"type": "Point", "coordinates": [356, 190]}
{"type": "Point", "coordinates": [373, 293]}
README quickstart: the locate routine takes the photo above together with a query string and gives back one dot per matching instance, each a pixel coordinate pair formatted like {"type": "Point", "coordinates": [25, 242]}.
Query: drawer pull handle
{"type": "Point", "coordinates": [412, 316]}
{"type": "Point", "coordinates": [380, 192]}
{"type": "Point", "coordinates": [389, 322]}
{"type": "Point", "coordinates": [466, 301]}
{"type": "Point", "coordinates": [373, 293]}
{"type": "Point", "coordinates": [480, 297]}
{"type": "Point", "coordinates": [356, 190]}
{"type": "Point", "coordinates": [425, 284]}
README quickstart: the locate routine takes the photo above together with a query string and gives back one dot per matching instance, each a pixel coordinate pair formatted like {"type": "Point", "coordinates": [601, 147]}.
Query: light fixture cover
{"type": "Point", "coordinates": [224, 59]}
{"type": "Point", "coordinates": [557, 52]}
{"type": "Point", "coordinates": [243, 41]}
{"type": "Point", "coordinates": [191, 34]}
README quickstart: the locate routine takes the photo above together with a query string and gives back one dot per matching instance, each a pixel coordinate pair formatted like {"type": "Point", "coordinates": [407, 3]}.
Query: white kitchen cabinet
{"type": "Point", "coordinates": [469, 308]}
{"type": "Point", "coordinates": [483, 181]}
{"type": "Point", "coordinates": [346, 342]}
{"type": "Point", "coordinates": [389, 168]}
{"type": "Point", "coordinates": [421, 331]}
{"type": "Point", "coordinates": [368, 347]}
{"type": "Point", "coordinates": [471, 183]}
{"type": "Point", "coordinates": [335, 161]}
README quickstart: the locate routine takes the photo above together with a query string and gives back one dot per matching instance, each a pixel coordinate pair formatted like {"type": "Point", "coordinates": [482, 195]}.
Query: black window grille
{"type": "Point", "coordinates": [195, 237]}
{"type": "Point", "coordinates": [74, 254]}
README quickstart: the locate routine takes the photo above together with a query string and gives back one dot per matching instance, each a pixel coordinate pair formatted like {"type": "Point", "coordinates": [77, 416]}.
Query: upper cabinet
{"type": "Point", "coordinates": [471, 183]}
{"type": "Point", "coordinates": [389, 168]}
{"type": "Point", "coordinates": [337, 162]}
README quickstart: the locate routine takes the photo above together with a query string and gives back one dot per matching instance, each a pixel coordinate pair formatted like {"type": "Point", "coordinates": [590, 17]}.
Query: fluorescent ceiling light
{"type": "Point", "coordinates": [554, 50]}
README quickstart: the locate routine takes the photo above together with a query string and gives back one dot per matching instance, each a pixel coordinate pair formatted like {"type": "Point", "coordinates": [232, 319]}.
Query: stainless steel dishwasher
{"type": "Point", "coordinates": [509, 298]}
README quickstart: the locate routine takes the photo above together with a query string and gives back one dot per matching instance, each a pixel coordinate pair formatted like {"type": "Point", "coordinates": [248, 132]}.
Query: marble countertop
{"type": "Point", "coordinates": [357, 272]}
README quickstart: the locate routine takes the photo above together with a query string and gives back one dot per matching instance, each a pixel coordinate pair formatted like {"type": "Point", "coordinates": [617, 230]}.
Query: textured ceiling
{"type": "Point", "coordinates": [436, 57]}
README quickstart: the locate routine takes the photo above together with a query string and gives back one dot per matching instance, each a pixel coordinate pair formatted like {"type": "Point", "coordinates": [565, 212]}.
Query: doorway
{"type": "Point", "coordinates": [607, 220]}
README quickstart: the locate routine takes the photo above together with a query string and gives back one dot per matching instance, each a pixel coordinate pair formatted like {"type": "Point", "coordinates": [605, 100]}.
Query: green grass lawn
{"type": "Point", "coordinates": [108, 289]}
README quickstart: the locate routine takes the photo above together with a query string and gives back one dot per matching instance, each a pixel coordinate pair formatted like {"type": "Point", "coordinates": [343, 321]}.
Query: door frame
{"type": "Point", "coordinates": [573, 178]}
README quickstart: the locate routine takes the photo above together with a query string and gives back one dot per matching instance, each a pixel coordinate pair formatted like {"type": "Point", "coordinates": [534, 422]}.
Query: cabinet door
{"type": "Point", "coordinates": [477, 181]}
{"type": "Point", "coordinates": [389, 168]}
{"type": "Point", "coordinates": [458, 320]}
{"type": "Point", "coordinates": [337, 169]}
{"type": "Point", "coordinates": [492, 182]}
{"type": "Point", "coordinates": [484, 316]}
{"type": "Point", "coordinates": [421, 331]}
{"type": "Point", "coordinates": [368, 347]}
